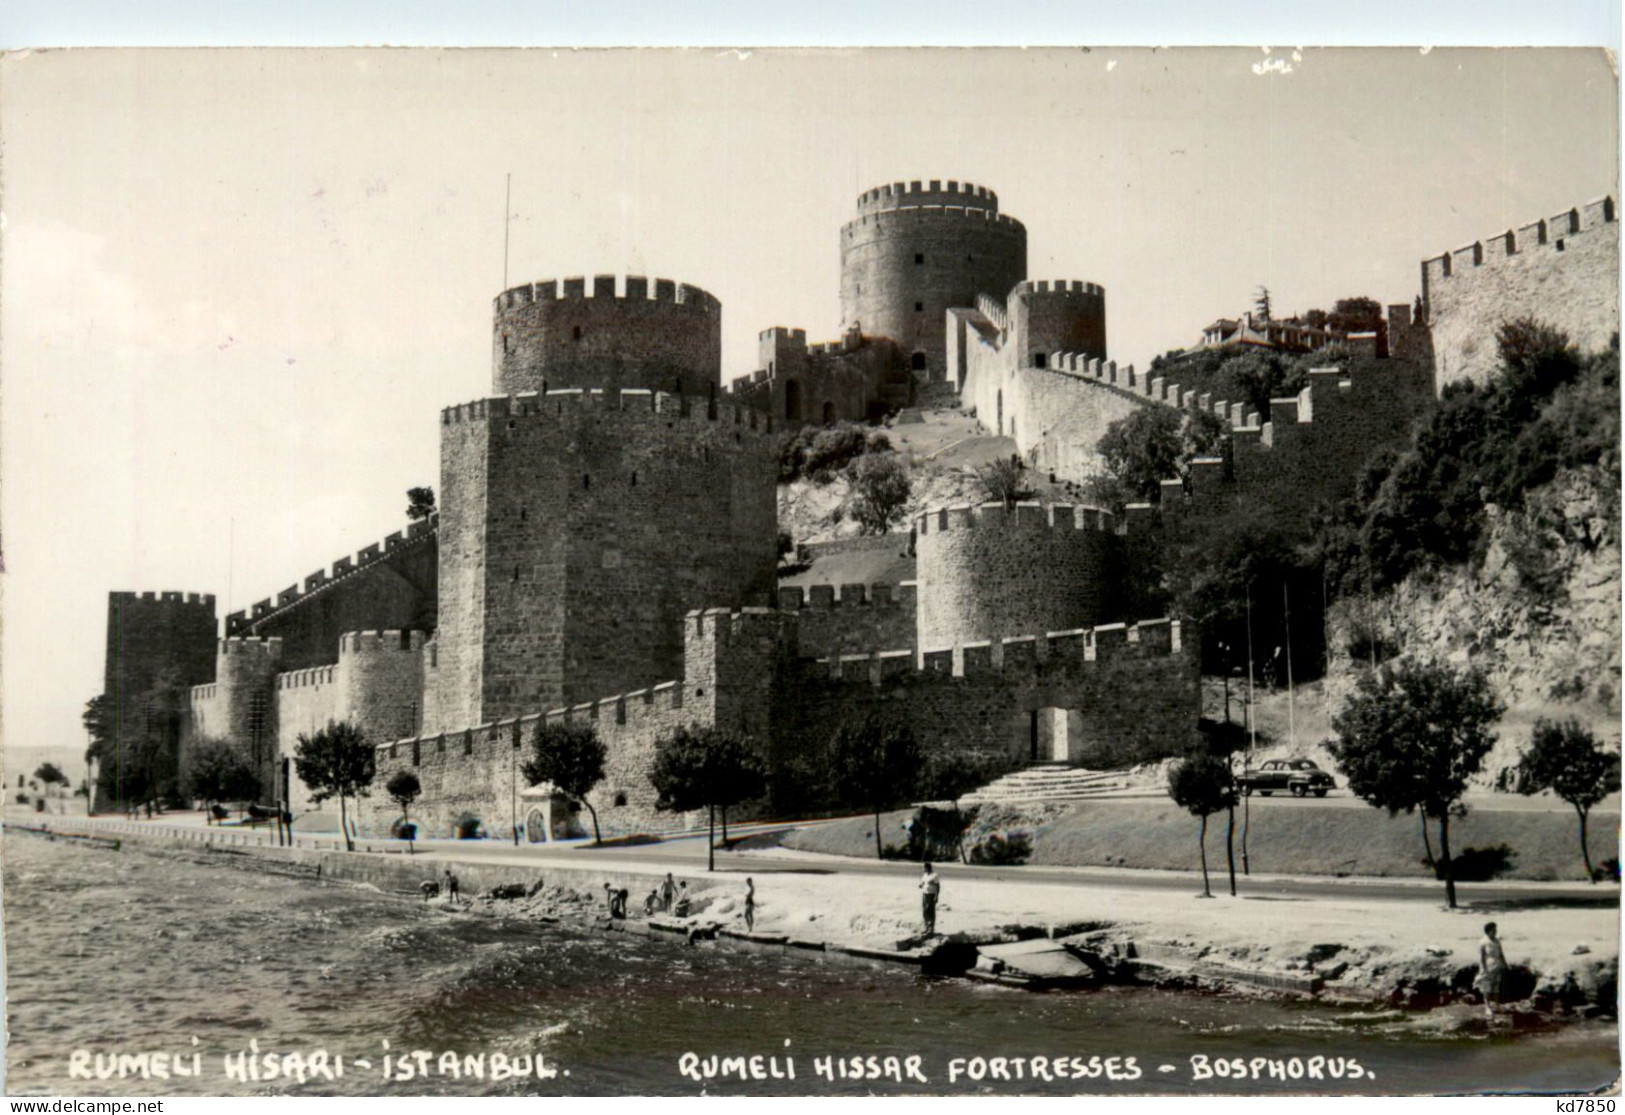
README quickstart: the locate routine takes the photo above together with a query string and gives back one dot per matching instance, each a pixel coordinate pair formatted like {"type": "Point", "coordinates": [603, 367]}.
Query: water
{"type": "Point", "coordinates": [135, 952]}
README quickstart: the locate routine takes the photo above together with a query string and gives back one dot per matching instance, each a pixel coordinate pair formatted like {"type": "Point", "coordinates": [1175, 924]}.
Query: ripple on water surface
{"type": "Point", "coordinates": [139, 951]}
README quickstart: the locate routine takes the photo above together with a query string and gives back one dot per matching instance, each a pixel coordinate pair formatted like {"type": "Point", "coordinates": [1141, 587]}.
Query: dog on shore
{"type": "Point", "coordinates": [429, 889]}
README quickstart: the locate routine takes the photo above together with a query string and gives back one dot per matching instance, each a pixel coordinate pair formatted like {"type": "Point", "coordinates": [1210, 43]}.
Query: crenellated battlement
{"type": "Point", "coordinates": [1024, 516]}
{"type": "Point", "coordinates": [903, 194]}
{"type": "Point", "coordinates": [813, 598]}
{"type": "Point", "coordinates": [416, 534]}
{"type": "Point", "coordinates": [1550, 235]}
{"type": "Point", "coordinates": [252, 644]}
{"type": "Point", "coordinates": [1058, 288]}
{"type": "Point", "coordinates": [479, 742]}
{"type": "Point", "coordinates": [994, 310]}
{"type": "Point", "coordinates": [1016, 658]}
{"type": "Point", "coordinates": [630, 288]}
{"type": "Point", "coordinates": [310, 676]}
{"type": "Point", "coordinates": [188, 599]}
{"type": "Point", "coordinates": [541, 406]}
{"type": "Point", "coordinates": [380, 642]}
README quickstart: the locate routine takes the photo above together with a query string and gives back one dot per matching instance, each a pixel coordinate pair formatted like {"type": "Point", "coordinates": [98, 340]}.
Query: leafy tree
{"type": "Point", "coordinates": [1222, 739]}
{"type": "Point", "coordinates": [1003, 481]}
{"type": "Point", "coordinates": [1203, 785]}
{"type": "Point", "coordinates": [216, 773]}
{"type": "Point", "coordinates": [949, 775]}
{"type": "Point", "coordinates": [1411, 735]}
{"type": "Point", "coordinates": [880, 491]}
{"type": "Point", "coordinates": [419, 503]}
{"type": "Point", "coordinates": [1355, 315]}
{"type": "Point", "coordinates": [875, 763]}
{"type": "Point", "coordinates": [1563, 757]}
{"type": "Point", "coordinates": [403, 789]}
{"type": "Point", "coordinates": [571, 757]}
{"type": "Point", "coordinates": [1149, 446]}
{"type": "Point", "coordinates": [50, 775]}
{"type": "Point", "coordinates": [710, 767]}
{"type": "Point", "coordinates": [336, 761]}
{"type": "Point", "coordinates": [98, 718]}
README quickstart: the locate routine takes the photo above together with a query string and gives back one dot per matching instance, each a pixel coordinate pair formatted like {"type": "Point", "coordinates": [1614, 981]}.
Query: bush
{"type": "Point", "coordinates": [1002, 849]}
{"type": "Point", "coordinates": [1478, 865]}
{"type": "Point", "coordinates": [821, 452]}
{"type": "Point", "coordinates": [934, 834]}
{"type": "Point", "coordinates": [1608, 869]}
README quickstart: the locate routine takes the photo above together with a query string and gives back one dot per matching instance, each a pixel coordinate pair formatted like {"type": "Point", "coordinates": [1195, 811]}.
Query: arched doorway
{"type": "Point", "coordinates": [829, 414]}
{"type": "Point", "coordinates": [917, 361]}
{"type": "Point", "coordinates": [1055, 735]}
{"type": "Point", "coordinates": [792, 400]}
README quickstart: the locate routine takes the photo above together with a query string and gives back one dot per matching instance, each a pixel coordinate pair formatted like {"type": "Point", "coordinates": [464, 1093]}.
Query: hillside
{"type": "Point", "coordinates": [942, 446]}
{"type": "Point", "coordinates": [1540, 612]}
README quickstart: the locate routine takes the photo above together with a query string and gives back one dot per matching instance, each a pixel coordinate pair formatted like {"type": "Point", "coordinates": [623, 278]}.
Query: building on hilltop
{"type": "Point", "coordinates": [1286, 335]}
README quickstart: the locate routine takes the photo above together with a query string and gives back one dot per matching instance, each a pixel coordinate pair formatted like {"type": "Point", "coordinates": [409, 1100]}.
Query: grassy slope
{"type": "Point", "coordinates": [1286, 838]}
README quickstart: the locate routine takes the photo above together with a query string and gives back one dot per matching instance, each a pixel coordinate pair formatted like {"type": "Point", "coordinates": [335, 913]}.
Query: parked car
{"type": "Point", "coordinates": [1297, 775]}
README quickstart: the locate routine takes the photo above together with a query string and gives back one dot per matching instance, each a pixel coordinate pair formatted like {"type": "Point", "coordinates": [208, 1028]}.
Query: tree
{"type": "Point", "coordinates": [1203, 785]}
{"type": "Point", "coordinates": [1222, 739]}
{"type": "Point", "coordinates": [98, 719]}
{"type": "Point", "coordinates": [216, 773]}
{"type": "Point", "coordinates": [403, 789]}
{"type": "Point", "coordinates": [875, 763]}
{"type": "Point", "coordinates": [419, 503]}
{"type": "Point", "coordinates": [50, 775]}
{"type": "Point", "coordinates": [710, 767]}
{"type": "Point", "coordinates": [950, 775]}
{"type": "Point", "coordinates": [1002, 481]}
{"type": "Point", "coordinates": [1411, 735]}
{"type": "Point", "coordinates": [571, 757]}
{"type": "Point", "coordinates": [1563, 757]}
{"type": "Point", "coordinates": [1355, 315]}
{"type": "Point", "coordinates": [1149, 446]}
{"type": "Point", "coordinates": [879, 492]}
{"type": "Point", "coordinates": [336, 762]}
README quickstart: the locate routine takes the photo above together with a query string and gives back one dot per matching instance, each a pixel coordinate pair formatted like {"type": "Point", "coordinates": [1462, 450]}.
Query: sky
{"type": "Point", "coordinates": [237, 286]}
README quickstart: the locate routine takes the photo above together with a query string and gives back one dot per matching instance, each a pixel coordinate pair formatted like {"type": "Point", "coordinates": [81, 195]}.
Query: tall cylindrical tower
{"type": "Point", "coordinates": [916, 249]}
{"type": "Point", "coordinates": [987, 573]}
{"type": "Point", "coordinates": [666, 339]}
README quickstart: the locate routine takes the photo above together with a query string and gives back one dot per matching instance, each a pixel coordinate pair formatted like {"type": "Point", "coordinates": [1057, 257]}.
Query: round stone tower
{"type": "Point", "coordinates": [669, 339]}
{"type": "Point", "coordinates": [916, 249]}
{"type": "Point", "coordinates": [987, 573]}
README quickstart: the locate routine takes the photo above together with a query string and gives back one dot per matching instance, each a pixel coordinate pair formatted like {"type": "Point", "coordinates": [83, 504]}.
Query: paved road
{"type": "Point", "coordinates": [688, 853]}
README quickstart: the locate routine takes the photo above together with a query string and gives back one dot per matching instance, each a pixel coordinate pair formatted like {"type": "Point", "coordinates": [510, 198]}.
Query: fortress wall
{"type": "Point", "coordinates": [851, 618]}
{"type": "Point", "coordinates": [903, 268]}
{"type": "Point", "coordinates": [393, 586]}
{"type": "Point", "coordinates": [475, 772]}
{"type": "Point", "coordinates": [985, 572]}
{"type": "Point", "coordinates": [1058, 417]}
{"type": "Point", "coordinates": [1563, 270]}
{"type": "Point", "coordinates": [1136, 693]}
{"type": "Point", "coordinates": [548, 335]}
{"type": "Point", "coordinates": [307, 701]}
{"type": "Point", "coordinates": [831, 382]}
{"type": "Point", "coordinates": [588, 525]}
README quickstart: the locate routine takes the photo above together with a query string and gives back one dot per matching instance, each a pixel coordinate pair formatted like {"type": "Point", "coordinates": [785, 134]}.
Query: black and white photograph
{"type": "Point", "coordinates": [810, 572]}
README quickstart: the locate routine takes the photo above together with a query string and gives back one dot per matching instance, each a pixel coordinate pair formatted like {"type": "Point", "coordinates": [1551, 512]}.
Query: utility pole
{"type": "Point", "coordinates": [1291, 714]}
{"type": "Point", "coordinates": [507, 223]}
{"type": "Point", "coordinates": [1252, 739]}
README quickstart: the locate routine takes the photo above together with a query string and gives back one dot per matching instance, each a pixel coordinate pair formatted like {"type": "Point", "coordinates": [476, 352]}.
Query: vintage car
{"type": "Point", "coordinates": [1297, 775]}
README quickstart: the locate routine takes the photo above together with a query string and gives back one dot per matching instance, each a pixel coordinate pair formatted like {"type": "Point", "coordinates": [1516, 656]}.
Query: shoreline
{"type": "Point", "coordinates": [1032, 936]}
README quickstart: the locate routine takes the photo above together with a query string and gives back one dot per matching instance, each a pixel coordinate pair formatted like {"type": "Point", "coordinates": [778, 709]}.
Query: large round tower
{"type": "Point", "coordinates": [660, 339]}
{"type": "Point", "coordinates": [987, 573]}
{"type": "Point", "coordinates": [916, 249]}
{"type": "Point", "coordinates": [580, 524]}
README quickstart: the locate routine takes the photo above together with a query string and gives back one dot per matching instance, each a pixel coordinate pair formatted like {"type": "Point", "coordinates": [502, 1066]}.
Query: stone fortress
{"type": "Point", "coordinates": [605, 545]}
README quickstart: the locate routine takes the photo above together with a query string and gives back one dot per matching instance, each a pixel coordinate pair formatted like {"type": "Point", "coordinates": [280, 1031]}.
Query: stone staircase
{"type": "Point", "coordinates": [1048, 782]}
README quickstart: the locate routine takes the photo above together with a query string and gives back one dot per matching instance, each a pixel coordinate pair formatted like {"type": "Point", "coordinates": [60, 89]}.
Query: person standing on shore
{"type": "Point", "coordinates": [1492, 962]}
{"type": "Point", "coordinates": [930, 888]}
{"type": "Point", "coordinates": [750, 906]}
{"type": "Point", "coordinates": [451, 887]}
{"type": "Point", "coordinates": [668, 892]}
